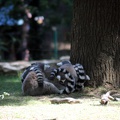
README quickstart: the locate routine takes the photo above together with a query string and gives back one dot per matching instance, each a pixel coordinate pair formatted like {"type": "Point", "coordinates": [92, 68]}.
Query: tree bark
{"type": "Point", "coordinates": [95, 40]}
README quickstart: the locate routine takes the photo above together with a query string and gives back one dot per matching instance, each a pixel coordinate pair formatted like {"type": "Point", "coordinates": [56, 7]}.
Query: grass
{"type": "Point", "coordinates": [19, 107]}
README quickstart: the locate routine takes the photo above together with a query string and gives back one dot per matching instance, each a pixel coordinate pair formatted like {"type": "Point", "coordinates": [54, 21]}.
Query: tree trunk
{"type": "Point", "coordinates": [95, 40]}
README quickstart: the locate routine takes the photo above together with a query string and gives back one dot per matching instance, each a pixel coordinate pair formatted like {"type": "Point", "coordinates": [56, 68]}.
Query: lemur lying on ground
{"type": "Point", "coordinates": [34, 81]}
{"type": "Point", "coordinates": [73, 76]}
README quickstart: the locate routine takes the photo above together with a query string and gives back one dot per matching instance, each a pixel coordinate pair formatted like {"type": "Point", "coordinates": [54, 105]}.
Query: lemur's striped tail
{"type": "Point", "coordinates": [56, 72]}
{"type": "Point", "coordinates": [24, 74]}
{"type": "Point", "coordinates": [39, 75]}
{"type": "Point", "coordinates": [68, 81]}
{"type": "Point", "coordinates": [82, 77]}
{"type": "Point", "coordinates": [81, 72]}
{"type": "Point", "coordinates": [36, 70]}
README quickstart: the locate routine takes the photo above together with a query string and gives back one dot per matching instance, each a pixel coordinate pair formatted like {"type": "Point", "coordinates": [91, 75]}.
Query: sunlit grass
{"type": "Point", "coordinates": [12, 85]}
{"type": "Point", "coordinates": [19, 107]}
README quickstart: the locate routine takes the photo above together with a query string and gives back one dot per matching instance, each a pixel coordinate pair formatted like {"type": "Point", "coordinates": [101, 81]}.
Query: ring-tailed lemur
{"type": "Point", "coordinates": [76, 71]}
{"type": "Point", "coordinates": [30, 86]}
{"type": "Point", "coordinates": [68, 78]}
{"type": "Point", "coordinates": [34, 81]}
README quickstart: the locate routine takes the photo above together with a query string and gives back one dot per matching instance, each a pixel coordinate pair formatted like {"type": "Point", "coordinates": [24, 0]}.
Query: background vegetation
{"type": "Point", "coordinates": [21, 28]}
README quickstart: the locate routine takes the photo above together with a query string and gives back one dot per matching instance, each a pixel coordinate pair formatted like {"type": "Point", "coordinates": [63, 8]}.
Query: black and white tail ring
{"type": "Point", "coordinates": [69, 80]}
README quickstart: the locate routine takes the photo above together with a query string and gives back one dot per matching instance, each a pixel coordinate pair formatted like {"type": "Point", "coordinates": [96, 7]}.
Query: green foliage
{"type": "Point", "coordinates": [55, 12]}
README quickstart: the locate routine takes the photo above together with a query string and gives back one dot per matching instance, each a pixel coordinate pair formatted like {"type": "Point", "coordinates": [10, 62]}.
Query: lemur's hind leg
{"type": "Point", "coordinates": [50, 88]}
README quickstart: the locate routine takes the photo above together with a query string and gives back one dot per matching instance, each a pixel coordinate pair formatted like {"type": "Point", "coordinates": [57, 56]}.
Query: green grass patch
{"type": "Point", "coordinates": [19, 107]}
{"type": "Point", "coordinates": [12, 85]}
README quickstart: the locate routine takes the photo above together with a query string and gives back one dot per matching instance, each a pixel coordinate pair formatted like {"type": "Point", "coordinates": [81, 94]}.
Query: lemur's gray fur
{"type": "Point", "coordinates": [31, 87]}
{"type": "Point", "coordinates": [34, 81]}
{"type": "Point", "coordinates": [74, 72]}
{"type": "Point", "coordinates": [67, 76]}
